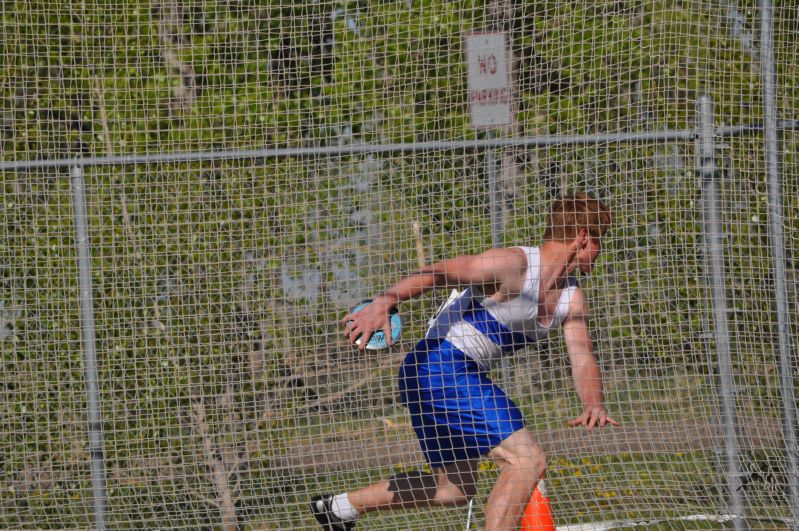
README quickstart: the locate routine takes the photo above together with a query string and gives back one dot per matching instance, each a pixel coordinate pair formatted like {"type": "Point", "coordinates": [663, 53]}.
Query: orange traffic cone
{"type": "Point", "coordinates": [538, 513]}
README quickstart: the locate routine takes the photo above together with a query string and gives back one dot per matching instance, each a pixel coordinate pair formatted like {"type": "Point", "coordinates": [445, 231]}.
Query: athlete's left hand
{"type": "Point", "coordinates": [593, 416]}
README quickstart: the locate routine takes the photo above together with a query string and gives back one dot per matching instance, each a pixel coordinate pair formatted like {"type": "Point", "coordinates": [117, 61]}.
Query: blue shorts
{"type": "Point", "coordinates": [456, 411]}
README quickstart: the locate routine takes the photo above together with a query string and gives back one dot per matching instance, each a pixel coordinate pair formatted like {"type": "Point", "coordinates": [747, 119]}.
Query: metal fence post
{"type": "Point", "coordinates": [494, 195]}
{"type": "Point", "coordinates": [89, 347]}
{"type": "Point", "coordinates": [714, 258]}
{"type": "Point", "coordinates": [497, 214]}
{"type": "Point", "coordinates": [777, 233]}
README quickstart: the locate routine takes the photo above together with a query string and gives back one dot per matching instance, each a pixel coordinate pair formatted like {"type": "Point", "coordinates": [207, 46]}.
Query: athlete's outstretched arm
{"type": "Point", "coordinates": [585, 370]}
{"type": "Point", "coordinates": [489, 270]}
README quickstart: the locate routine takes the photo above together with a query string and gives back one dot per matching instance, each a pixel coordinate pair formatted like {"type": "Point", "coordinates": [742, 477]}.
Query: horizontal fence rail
{"type": "Point", "coordinates": [377, 149]}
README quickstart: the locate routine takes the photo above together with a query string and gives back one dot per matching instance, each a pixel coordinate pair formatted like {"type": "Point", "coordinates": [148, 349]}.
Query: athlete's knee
{"type": "Point", "coordinates": [452, 493]}
{"type": "Point", "coordinates": [520, 453]}
{"type": "Point", "coordinates": [421, 488]}
{"type": "Point", "coordinates": [457, 482]}
{"type": "Point", "coordinates": [538, 465]}
{"type": "Point", "coordinates": [468, 490]}
{"type": "Point", "coordinates": [532, 465]}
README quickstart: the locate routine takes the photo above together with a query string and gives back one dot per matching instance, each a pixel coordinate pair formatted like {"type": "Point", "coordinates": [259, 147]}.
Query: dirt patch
{"type": "Point", "coordinates": [385, 447]}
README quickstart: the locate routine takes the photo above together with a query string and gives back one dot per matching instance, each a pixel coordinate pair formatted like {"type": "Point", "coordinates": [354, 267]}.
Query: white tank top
{"type": "Point", "coordinates": [484, 329]}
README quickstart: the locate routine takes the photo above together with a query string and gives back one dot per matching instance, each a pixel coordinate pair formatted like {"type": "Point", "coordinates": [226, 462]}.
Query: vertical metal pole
{"type": "Point", "coordinates": [497, 229]}
{"type": "Point", "coordinates": [714, 257]}
{"type": "Point", "coordinates": [494, 196]}
{"type": "Point", "coordinates": [89, 347]}
{"type": "Point", "coordinates": [774, 172]}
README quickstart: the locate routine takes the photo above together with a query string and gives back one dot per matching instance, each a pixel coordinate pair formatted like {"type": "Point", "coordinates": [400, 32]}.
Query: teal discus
{"type": "Point", "coordinates": [378, 339]}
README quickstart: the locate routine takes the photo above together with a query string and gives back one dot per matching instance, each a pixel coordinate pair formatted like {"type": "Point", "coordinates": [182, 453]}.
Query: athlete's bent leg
{"type": "Point", "coordinates": [521, 463]}
{"type": "Point", "coordinates": [449, 485]}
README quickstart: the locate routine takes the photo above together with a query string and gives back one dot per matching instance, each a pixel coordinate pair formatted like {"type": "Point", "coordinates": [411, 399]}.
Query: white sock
{"type": "Point", "coordinates": [343, 509]}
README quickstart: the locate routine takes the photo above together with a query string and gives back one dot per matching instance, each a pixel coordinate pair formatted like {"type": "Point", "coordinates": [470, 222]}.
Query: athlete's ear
{"type": "Point", "coordinates": [582, 238]}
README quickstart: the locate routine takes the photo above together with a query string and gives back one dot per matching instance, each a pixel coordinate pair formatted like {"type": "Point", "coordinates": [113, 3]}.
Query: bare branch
{"type": "Point", "coordinates": [169, 28]}
{"type": "Point", "coordinates": [219, 474]}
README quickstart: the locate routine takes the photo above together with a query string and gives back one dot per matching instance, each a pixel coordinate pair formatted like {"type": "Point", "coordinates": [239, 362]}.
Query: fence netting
{"type": "Point", "coordinates": [228, 393]}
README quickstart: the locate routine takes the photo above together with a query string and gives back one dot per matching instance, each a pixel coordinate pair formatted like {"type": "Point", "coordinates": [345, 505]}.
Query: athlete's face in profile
{"type": "Point", "coordinates": [588, 255]}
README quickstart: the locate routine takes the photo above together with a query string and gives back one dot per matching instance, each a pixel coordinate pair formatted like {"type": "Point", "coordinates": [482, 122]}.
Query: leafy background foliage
{"type": "Point", "coordinates": [218, 285]}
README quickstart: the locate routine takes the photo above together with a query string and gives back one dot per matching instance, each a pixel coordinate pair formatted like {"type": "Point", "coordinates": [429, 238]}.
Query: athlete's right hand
{"type": "Point", "coordinates": [593, 416]}
{"type": "Point", "coordinates": [362, 324]}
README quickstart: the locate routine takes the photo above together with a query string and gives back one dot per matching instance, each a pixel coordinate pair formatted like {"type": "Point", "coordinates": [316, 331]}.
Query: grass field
{"type": "Point", "coordinates": [622, 487]}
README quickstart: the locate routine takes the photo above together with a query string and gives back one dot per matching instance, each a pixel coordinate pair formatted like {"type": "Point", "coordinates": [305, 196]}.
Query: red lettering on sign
{"type": "Point", "coordinates": [487, 64]}
{"type": "Point", "coordinates": [490, 95]}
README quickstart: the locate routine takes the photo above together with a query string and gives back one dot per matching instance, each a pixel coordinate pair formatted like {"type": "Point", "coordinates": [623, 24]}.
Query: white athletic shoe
{"type": "Point", "coordinates": [323, 512]}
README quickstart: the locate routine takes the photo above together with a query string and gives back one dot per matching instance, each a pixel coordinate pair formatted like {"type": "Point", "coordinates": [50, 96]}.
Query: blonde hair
{"type": "Point", "coordinates": [574, 212]}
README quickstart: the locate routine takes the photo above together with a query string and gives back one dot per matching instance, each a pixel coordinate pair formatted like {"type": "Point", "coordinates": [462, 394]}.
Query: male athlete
{"type": "Point", "coordinates": [510, 297]}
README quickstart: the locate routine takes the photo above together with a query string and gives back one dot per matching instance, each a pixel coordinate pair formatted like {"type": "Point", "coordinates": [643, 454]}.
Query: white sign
{"type": "Point", "coordinates": [488, 80]}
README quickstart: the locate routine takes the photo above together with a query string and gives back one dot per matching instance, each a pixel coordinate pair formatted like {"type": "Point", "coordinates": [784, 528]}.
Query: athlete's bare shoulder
{"type": "Point", "coordinates": [578, 304]}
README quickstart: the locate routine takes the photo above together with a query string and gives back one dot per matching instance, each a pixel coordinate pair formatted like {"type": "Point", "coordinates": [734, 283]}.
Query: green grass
{"type": "Point", "coordinates": [625, 487]}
